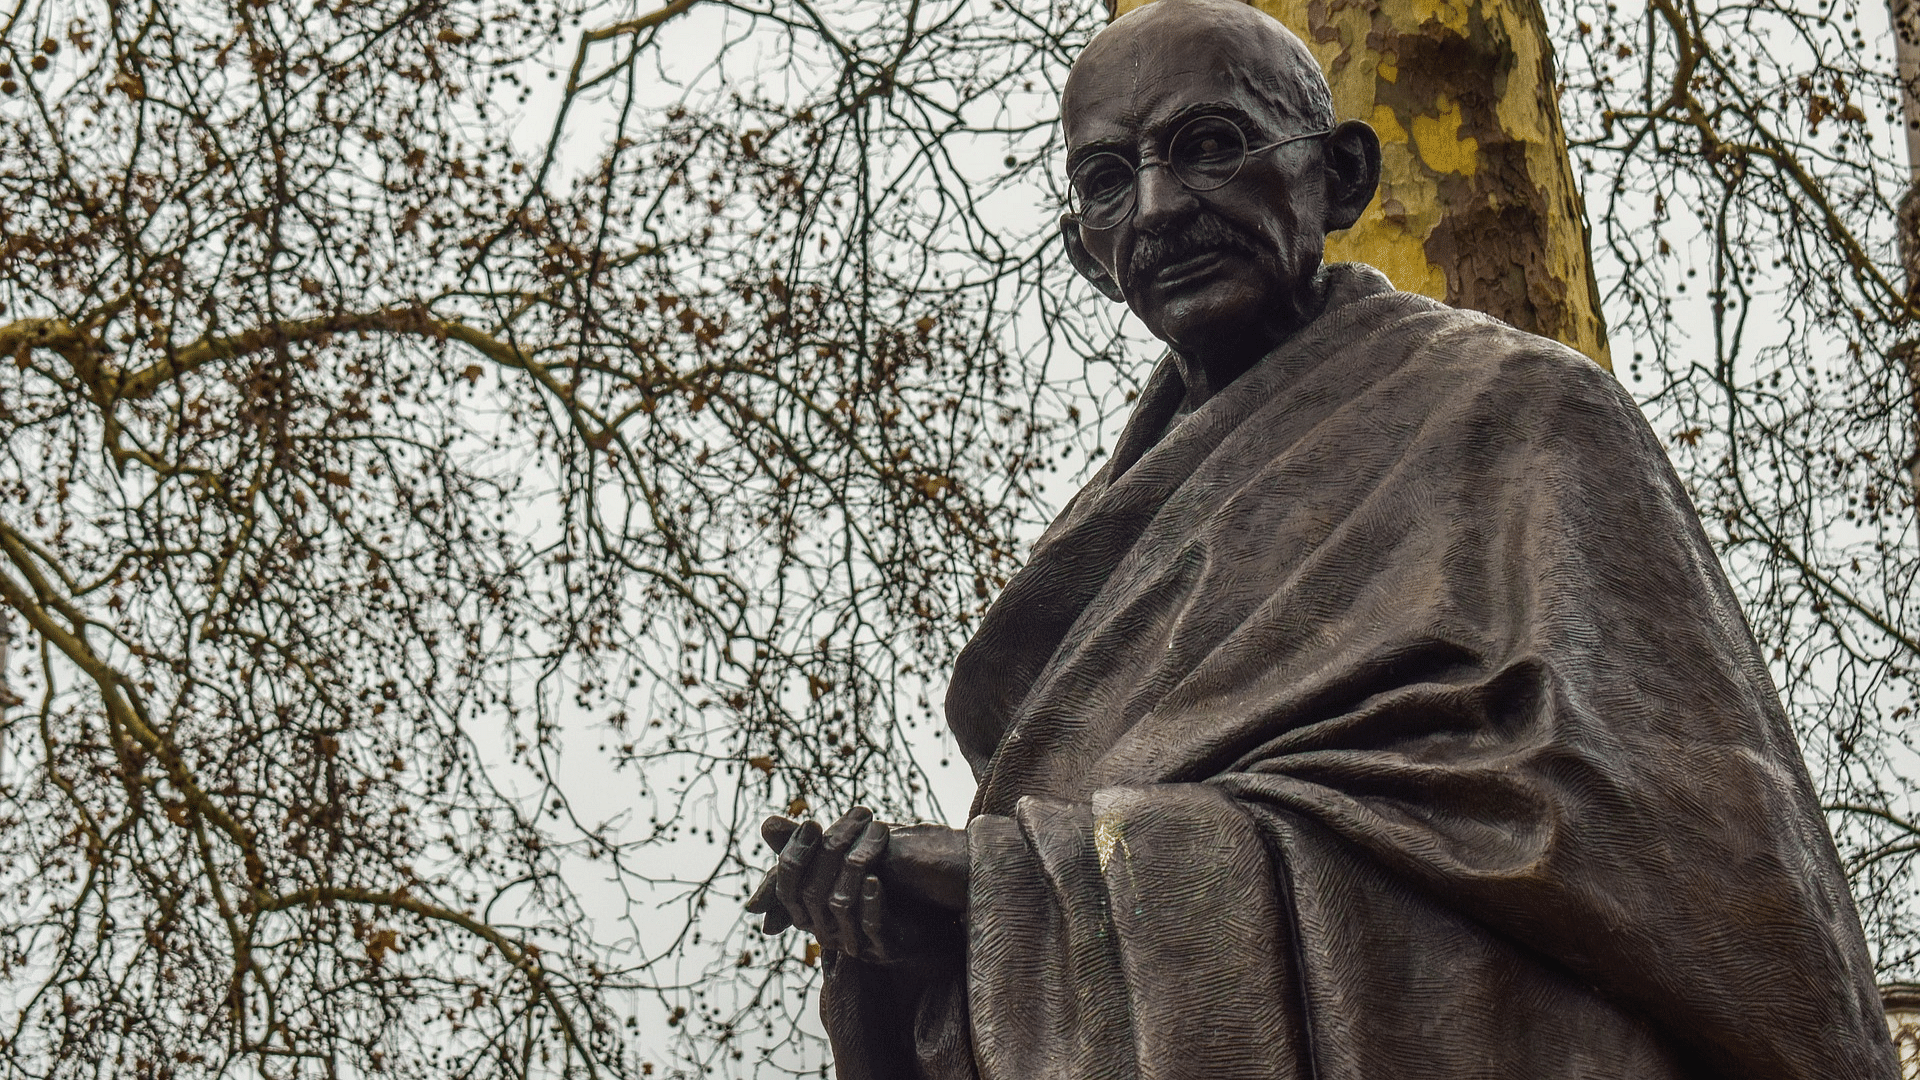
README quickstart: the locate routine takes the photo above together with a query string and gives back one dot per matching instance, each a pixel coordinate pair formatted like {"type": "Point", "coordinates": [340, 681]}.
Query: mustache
{"type": "Point", "coordinates": [1203, 234]}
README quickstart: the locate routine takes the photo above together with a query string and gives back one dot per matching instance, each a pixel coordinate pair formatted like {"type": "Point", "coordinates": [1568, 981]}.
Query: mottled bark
{"type": "Point", "coordinates": [1477, 204]}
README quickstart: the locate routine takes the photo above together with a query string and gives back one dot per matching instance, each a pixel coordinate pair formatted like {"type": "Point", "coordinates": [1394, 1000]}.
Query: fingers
{"type": "Point", "coordinates": [810, 862]}
{"type": "Point", "coordinates": [763, 898]}
{"type": "Point", "coordinates": [824, 874]}
{"type": "Point", "coordinates": [843, 905]}
{"type": "Point", "coordinates": [766, 901]}
{"type": "Point", "coordinates": [816, 882]}
{"type": "Point", "coordinates": [777, 830]}
{"type": "Point", "coordinates": [790, 873]}
{"type": "Point", "coordinates": [776, 922]}
{"type": "Point", "coordinates": [873, 929]}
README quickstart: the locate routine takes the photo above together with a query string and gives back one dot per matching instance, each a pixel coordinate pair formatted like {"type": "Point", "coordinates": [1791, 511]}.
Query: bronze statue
{"type": "Point", "coordinates": [1379, 710]}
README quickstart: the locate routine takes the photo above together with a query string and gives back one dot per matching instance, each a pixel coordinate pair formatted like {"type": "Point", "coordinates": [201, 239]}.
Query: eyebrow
{"type": "Point", "coordinates": [1124, 147]}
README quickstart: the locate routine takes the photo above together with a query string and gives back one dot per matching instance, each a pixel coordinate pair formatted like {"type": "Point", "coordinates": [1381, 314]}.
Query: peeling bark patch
{"type": "Point", "coordinates": [1488, 242]}
{"type": "Point", "coordinates": [1447, 82]}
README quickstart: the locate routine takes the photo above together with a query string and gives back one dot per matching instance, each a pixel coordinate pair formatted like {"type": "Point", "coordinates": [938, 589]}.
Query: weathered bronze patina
{"type": "Point", "coordinates": [1379, 711]}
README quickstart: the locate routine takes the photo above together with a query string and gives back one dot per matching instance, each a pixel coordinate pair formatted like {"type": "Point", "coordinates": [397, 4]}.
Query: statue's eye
{"type": "Point", "coordinates": [1102, 178]}
{"type": "Point", "coordinates": [1207, 146]}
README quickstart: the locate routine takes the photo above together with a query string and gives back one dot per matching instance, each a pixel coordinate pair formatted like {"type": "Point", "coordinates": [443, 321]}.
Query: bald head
{"type": "Point", "coordinates": [1240, 45]}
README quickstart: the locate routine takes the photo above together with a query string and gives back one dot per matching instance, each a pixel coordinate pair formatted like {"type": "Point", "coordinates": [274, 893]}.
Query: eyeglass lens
{"type": "Point", "coordinates": [1205, 153]}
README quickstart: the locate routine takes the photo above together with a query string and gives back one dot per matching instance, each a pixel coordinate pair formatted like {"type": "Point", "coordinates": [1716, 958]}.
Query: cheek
{"type": "Point", "coordinates": [1284, 235]}
{"type": "Point", "coordinates": [1103, 250]}
{"type": "Point", "coordinates": [1293, 251]}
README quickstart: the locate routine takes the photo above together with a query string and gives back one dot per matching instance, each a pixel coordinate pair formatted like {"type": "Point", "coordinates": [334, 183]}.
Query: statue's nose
{"type": "Point", "coordinates": [1160, 198]}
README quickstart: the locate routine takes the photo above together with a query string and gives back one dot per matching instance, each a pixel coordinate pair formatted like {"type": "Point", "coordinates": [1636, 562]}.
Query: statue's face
{"type": "Point", "coordinates": [1200, 268]}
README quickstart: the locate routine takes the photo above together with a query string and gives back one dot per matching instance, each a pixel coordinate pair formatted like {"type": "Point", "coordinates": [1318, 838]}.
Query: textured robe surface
{"type": "Point", "coordinates": [1386, 717]}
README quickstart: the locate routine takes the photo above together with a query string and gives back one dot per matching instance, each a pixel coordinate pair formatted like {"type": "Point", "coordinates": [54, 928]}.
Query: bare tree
{"type": "Point", "coordinates": [1745, 164]}
{"type": "Point", "coordinates": [357, 457]}
{"type": "Point", "coordinates": [372, 477]}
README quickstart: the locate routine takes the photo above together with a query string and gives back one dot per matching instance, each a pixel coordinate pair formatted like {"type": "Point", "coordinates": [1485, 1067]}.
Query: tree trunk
{"type": "Point", "coordinates": [1906, 49]}
{"type": "Point", "coordinates": [7, 698]}
{"type": "Point", "coordinates": [1477, 203]}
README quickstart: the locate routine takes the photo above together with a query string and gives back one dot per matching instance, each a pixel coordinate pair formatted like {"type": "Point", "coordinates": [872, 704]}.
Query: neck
{"type": "Point", "coordinates": [1207, 367]}
{"type": "Point", "coordinates": [1207, 374]}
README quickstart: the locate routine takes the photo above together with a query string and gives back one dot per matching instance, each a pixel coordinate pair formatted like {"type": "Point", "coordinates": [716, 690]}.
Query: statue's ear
{"type": "Point", "coordinates": [1353, 160]}
{"type": "Point", "coordinates": [1084, 261]}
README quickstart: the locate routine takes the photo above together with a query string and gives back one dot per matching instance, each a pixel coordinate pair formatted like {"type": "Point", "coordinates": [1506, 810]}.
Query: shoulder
{"type": "Point", "coordinates": [1502, 395]}
{"type": "Point", "coordinates": [1455, 343]}
{"type": "Point", "coordinates": [1482, 364]}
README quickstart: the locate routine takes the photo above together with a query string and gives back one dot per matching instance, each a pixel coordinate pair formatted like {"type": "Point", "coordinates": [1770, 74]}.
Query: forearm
{"type": "Point", "coordinates": [927, 865]}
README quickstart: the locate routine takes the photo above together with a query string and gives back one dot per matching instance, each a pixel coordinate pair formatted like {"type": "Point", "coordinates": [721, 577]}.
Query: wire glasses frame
{"type": "Point", "coordinates": [1206, 153]}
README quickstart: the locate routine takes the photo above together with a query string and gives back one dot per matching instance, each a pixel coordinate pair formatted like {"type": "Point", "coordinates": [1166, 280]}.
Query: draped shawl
{"type": "Point", "coordinates": [1387, 716]}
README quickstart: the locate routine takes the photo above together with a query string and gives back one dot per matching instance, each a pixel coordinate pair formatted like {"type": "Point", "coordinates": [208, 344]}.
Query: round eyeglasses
{"type": "Point", "coordinates": [1205, 153]}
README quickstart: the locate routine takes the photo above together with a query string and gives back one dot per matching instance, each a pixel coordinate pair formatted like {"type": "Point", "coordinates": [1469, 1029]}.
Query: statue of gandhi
{"type": "Point", "coordinates": [1377, 710]}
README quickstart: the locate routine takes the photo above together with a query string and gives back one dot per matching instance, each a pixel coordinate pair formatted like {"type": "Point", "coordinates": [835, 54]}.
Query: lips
{"type": "Point", "coordinates": [1190, 268]}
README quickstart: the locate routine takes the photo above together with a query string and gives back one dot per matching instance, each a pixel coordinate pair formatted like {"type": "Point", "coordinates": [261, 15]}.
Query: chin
{"type": "Point", "coordinates": [1215, 314]}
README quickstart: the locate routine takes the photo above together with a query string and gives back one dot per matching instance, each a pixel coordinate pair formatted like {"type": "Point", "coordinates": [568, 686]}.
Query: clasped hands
{"type": "Point", "coordinates": [882, 893]}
